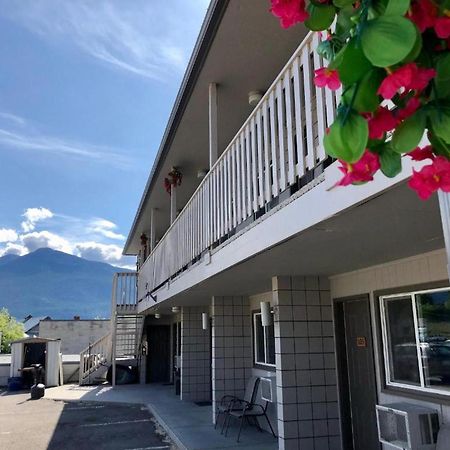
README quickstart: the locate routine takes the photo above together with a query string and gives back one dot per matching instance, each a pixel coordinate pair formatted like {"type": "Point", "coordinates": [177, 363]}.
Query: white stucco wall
{"type": "Point", "coordinates": [75, 335]}
{"type": "Point", "coordinates": [421, 269]}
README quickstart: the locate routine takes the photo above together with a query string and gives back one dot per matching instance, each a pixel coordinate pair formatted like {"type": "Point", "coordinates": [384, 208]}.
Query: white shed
{"type": "Point", "coordinates": [35, 350]}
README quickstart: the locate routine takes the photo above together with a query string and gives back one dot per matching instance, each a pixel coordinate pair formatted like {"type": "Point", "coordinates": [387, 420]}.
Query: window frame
{"type": "Point", "coordinates": [422, 388]}
{"type": "Point", "coordinates": [255, 343]}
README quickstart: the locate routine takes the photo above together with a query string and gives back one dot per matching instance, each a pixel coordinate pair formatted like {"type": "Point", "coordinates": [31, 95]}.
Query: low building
{"type": "Point", "coordinates": [76, 334]}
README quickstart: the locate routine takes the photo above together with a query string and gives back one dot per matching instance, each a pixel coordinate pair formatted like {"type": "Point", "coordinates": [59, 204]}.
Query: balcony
{"type": "Point", "coordinates": [277, 152]}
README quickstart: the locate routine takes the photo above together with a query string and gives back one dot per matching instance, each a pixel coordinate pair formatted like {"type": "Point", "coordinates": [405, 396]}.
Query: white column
{"type": "Point", "coordinates": [444, 206]}
{"type": "Point", "coordinates": [152, 229]}
{"type": "Point", "coordinates": [173, 204]}
{"type": "Point", "coordinates": [213, 144]}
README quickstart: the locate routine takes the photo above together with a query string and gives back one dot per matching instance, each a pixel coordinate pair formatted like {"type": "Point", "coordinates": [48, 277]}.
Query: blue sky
{"type": "Point", "coordinates": [86, 88]}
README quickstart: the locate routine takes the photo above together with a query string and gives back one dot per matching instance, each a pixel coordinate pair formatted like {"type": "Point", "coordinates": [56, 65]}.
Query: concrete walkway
{"type": "Point", "coordinates": [188, 425]}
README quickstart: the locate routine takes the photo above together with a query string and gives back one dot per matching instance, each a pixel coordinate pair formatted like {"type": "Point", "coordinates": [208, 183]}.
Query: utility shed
{"type": "Point", "coordinates": [35, 350]}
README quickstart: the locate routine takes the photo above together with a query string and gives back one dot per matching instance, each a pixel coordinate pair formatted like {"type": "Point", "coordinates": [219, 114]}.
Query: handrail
{"type": "Point", "coordinates": [276, 146]}
{"type": "Point", "coordinates": [94, 355]}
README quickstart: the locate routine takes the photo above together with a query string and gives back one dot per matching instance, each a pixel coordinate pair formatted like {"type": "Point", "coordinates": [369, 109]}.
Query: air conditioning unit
{"type": "Point", "coordinates": [408, 427]}
{"type": "Point", "coordinates": [266, 389]}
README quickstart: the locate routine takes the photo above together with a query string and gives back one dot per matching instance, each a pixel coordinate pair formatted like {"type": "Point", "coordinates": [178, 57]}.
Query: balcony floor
{"type": "Point", "coordinates": [187, 424]}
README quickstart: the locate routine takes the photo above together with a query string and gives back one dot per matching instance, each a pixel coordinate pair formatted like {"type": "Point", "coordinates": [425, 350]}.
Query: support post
{"type": "Point", "coordinates": [444, 206]}
{"type": "Point", "coordinates": [113, 330]}
{"type": "Point", "coordinates": [173, 204]}
{"type": "Point", "coordinates": [152, 229]}
{"type": "Point", "coordinates": [213, 142]}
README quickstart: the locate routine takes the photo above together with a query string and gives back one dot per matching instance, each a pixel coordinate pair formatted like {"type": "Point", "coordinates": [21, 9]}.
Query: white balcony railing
{"type": "Point", "coordinates": [279, 147]}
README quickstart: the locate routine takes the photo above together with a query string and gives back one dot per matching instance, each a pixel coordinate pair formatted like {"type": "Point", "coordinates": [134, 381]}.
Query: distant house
{"type": "Point", "coordinates": [31, 324]}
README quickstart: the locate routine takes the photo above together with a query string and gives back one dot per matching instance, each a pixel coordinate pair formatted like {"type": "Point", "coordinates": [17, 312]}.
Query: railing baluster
{"type": "Point", "coordinates": [267, 170]}
{"type": "Point", "coordinates": [273, 145]}
{"type": "Point", "coordinates": [260, 157]}
{"type": "Point", "coordinates": [320, 107]}
{"type": "Point", "coordinates": [289, 126]}
{"type": "Point", "coordinates": [254, 164]}
{"type": "Point", "coordinates": [243, 180]}
{"type": "Point", "coordinates": [248, 164]}
{"type": "Point", "coordinates": [280, 127]}
{"type": "Point", "coordinates": [306, 57]}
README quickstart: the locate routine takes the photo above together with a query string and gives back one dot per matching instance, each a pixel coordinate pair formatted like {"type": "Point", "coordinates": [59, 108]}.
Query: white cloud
{"type": "Point", "coordinates": [45, 239]}
{"type": "Point", "coordinates": [151, 39]}
{"type": "Point", "coordinates": [33, 216]}
{"type": "Point", "coordinates": [105, 228]}
{"type": "Point", "coordinates": [90, 239]}
{"type": "Point", "coordinates": [12, 118]}
{"type": "Point", "coordinates": [32, 141]}
{"type": "Point", "coordinates": [110, 253]}
{"type": "Point", "coordinates": [13, 249]}
{"type": "Point", "coordinates": [8, 235]}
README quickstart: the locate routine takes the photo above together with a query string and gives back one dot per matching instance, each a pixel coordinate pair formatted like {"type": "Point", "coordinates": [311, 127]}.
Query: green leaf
{"type": "Point", "coordinates": [440, 147]}
{"type": "Point", "coordinates": [397, 7]}
{"type": "Point", "coordinates": [351, 63]}
{"type": "Point", "coordinates": [390, 161]}
{"type": "Point", "coordinates": [442, 79]}
{"type": "Point", "coordinates": [439, 115]}
{"type": "Point", "coordinates": [347, 138]}
{"type": "Point", "coordinates": [320, 17]}
{"type": "Point", "coordinates": [387, 40]}
{"type": "Point", "coordinates": [366, 98]}
{"type": "Point", "coordinates": [343, 22]}
{"type": "Point", "coordinates": [409, 133]}
{"type": "Point", "coordinates": [342, 3]}
{"type": "Point", "coordinates": [417, 48]}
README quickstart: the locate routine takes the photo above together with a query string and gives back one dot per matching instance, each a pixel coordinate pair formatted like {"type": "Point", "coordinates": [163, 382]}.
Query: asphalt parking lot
{"type": "Point", "coordinates": [56, 425]}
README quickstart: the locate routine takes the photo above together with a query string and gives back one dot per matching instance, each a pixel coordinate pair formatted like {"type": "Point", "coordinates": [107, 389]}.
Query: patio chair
{"type": "Point", "coordinates": [247, 411]}
{"type": "Point", "coordinates": [227, 402]}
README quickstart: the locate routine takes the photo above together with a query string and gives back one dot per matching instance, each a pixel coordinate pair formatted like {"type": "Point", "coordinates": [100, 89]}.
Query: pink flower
{"type": "Point", "coordinates": [442, 27]}
{"type": "Point", "coordinates": [360, 171]}
{"type": "Point", "coordinates": [289, 12]}
{"type": "Point", "coordinates": [327, 77]}
{"type": "Point", "coordinates": [408, 77]}
{"type": "Point", "coordinates": [423, 13]}
{"type": "Point", "coordinates": [431, 178]}
{"type": "Point", "coordinates": [421, 78]}
{"type": "Point", "coordinates": [411, 107]}
{"type": "Point", "coordinates": [383, 120]}
{"type": "Point", "coordinates": [420, 154]}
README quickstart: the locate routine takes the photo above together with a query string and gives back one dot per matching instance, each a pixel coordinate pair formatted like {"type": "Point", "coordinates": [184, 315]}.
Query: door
{"type": "Point", "coordinates": [357, 374]}
{"type": "Point", "coordinates": [158, 358]}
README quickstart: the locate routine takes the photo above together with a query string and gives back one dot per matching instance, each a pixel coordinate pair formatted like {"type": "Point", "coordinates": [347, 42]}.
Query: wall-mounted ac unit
{"type": "Point", "coordinates": [266, 389]}
{"type": "Point", "coordinates": [407, 427]}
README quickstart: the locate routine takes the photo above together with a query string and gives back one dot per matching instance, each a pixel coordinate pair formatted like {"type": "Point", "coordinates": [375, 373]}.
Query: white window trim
{"type": "Point", "coordinates": [255, 346]}
{"type": "Point", "coordinates": [386, 347]}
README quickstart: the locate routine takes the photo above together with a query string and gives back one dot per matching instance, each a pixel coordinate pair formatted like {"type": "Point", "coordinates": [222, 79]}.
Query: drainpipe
{"type": "Point", "coordinates": [173, 203]}
{"type": "Point", "coordinates": [152, 229]}
{"type": "Point", "coordinates": [444, 206]}
{"type": "Point", "coordinates": [213, 142]}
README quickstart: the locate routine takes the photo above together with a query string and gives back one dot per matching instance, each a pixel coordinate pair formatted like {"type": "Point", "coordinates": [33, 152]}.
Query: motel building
{"type": "Point", "coordinates": [250, 265]}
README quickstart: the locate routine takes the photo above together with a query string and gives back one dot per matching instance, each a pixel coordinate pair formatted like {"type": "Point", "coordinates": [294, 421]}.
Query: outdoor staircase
{"type": "Point", "coordinates": [122, 343]}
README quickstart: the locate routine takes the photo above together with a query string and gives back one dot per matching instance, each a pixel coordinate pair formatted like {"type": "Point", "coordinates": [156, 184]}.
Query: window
{"type": "Point", "coordinates": [416, 339]}
{"type": "Point", "coordinates": [264, 342]}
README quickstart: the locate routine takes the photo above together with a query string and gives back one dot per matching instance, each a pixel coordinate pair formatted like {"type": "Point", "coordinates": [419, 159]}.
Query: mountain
{"type": "Point", "coordinates": [48, 282]}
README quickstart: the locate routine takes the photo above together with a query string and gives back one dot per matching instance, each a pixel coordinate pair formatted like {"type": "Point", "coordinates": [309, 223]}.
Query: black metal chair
{"type": "Point", "coordinates": [247, 411]}
{"type": "Point", "coordinates": [228, 402]}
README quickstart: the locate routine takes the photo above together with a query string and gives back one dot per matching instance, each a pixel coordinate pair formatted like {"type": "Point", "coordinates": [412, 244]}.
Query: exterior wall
{"type": "Point", "coordinates": [75, 335]}
{"type": "Point", "coordinates": [306, 376]}
{"type": "Point", "coordinates": [260, 371]}
{"type": "Point", "coordinates": [231, 347]}
{"type": "Point", "coordinates": [195, 356]}
{"type": "Point", "coordinates": [421, 269]}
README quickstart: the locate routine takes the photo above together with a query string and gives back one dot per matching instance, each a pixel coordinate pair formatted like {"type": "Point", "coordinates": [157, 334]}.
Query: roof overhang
{"type": "Point", "coordinates": [242, 48]}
